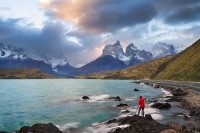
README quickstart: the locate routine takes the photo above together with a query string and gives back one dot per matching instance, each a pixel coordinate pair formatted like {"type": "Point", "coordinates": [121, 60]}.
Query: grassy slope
{"type": "Point", "coordinates": [141, 71]}
{"type": "Point", "coordinates": [185, 66]}
{"type": "Point", "coordinates": [23, 74]}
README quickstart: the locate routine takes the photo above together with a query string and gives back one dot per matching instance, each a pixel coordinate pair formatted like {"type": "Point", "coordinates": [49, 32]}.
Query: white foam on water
{"type": "Point", "coordinates": [166, 93]}
{"type": "Point", "coordinates": [67, 126]}
{"type": "Point", "coordinates": [103, 127]}
{"type": "Point", "coordinates": [143, 84]}
{"type": "Point", "coordinates": [97, 98]}
{"type": "Point", "coordinates": [155, 113]}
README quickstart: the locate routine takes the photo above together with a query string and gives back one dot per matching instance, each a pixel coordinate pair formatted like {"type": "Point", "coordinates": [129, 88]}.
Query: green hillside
{"type": "Point", "coordinates": [141, 71]}
{"type": "Point", "coordinates": [185, 66]}
{"type": "Point", "coordinates": [23, 74]}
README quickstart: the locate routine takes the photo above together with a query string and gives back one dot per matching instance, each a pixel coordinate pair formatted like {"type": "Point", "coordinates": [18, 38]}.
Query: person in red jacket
{"type": "Point", "coordinates": [141, 105]}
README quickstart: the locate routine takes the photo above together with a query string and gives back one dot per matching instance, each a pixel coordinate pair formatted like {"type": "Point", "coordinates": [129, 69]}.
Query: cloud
{"type": "Point", "coordinates": [81, 28]}
{"type": "Point", "coordinates": [184, 15]}
{"type": "Point", "coordinates": [178, 11]}
{"type": "Point", "coordinates": [53, 36]}
{"type": "Point", "coordinates": [102, 16]}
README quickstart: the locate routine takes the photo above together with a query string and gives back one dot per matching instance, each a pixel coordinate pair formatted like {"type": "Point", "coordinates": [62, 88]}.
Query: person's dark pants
{"type": "Point", "coordinates": [142, 111]}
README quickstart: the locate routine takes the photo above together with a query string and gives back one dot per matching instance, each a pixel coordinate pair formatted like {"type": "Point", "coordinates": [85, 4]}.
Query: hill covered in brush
{"type": "Point", "coordinates": [23, 74]}
{"type": "Point", "coordinates": [185, 66]}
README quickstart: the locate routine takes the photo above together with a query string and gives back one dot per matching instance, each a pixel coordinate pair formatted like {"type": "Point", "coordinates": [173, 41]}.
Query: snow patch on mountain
{"type": "Point", "coordinates": [162, 49]}
{"type": "Point", "coordinates": [10, 52]}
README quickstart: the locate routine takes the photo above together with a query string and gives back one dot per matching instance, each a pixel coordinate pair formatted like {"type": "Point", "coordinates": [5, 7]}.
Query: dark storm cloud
{"type": "Point", "coordinates": [178, 11]}
{"type": "Point", "coordinates": [52, 35]}
{"type": "Point", "coordinates": [103, 15]}
{"type": "Point", "coordinates": [111, 17]}
{"type": "Point", "coordinates": [184, 15]}
{"type": "Point", "coordinates": [12, 33]}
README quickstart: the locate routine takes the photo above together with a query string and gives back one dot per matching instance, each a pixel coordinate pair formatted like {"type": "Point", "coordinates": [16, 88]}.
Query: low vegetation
{"type": "Point", "coordinates": [24, 73]}
{"type": "Point", "coordinates": [185, 66]}
{"type": "Point", "coordinates": [141, 71]}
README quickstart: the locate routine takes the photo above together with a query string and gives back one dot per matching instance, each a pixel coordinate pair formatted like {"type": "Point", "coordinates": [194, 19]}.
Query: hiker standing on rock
{"type": "Point", "coordinates": [141, 105]}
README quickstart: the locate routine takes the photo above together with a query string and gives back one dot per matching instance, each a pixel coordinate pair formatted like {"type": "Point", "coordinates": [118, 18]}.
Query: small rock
{"type": "Point", "coordinates": [85, 98]}
{"type": "Point", "coordinates": [136, 89]}
{"type": "Point", "coordinates": [122, 105]}
{"type": "Point", "coordinates": [124, 112]}
{"type": "Point", "coordinates": [148, 117]}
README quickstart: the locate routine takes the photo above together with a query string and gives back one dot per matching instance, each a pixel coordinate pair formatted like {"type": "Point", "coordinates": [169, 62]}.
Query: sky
{"type": "Point", "coordinates": [81, 28]}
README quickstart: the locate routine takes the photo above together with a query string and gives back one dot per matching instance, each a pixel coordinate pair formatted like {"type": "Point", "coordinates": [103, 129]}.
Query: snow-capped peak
{"type": "Point", "coordinates": [11, 52]}
{"type": "Point", "coordinates": [114, 50]}
{"type": "Point", "coordinates": [162, 49]}
{"type": "Point", "coordinates": [51, 58]}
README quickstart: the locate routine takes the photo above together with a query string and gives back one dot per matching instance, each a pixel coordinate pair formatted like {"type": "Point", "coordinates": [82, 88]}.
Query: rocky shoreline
{"type": "Point", "coordinates": [137, 124]}
{"type": "Point", "coordinates": [188, 99]}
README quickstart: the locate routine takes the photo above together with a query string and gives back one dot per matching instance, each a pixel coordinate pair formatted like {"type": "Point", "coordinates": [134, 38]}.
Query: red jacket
{"type": "Point", "coordinates": [141, 102]}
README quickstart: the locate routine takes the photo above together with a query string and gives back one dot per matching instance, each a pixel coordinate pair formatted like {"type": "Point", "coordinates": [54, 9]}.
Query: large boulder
{"type": "Point", "coordinates": [40, 128]}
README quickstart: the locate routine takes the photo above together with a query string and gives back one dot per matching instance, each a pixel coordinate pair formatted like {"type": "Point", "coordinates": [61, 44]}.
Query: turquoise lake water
{"type": "Point", "coordinates": [59, 101]}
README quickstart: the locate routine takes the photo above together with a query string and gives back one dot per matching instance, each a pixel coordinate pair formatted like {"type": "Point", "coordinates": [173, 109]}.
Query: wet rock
{"type": "Point", "coordinates": [136, 89]}
{"type": "Point", "coordinates": [138, 124]}
{"type": "Point", "coordinates": [148, 117]}
{"type": "Point", "coordinates": [193, 112]}
{"type": "Point", "coordinates": [40, 128]}
{"type": "Point", "coordinates": [124, 112]}
{"type": "Point", "coordinates": [175, 98]}
{"type": "Point", "coordinates": [186, 118]}
{"type": "Point", "coordinates": [122, 105]}
{"type": "Point", "coordinates": [111, 121]}
{"type": "Point", "coordinates": [179, 92]}
{"type": "Point", "coordinates": [153, 100]}
{"type": "Point", "coordinates": [161, 105]}
{"type": "Point", "coordinates": [175, 125]}
{"type": "Point", "coordinates": [117, 98]}
{"type": "Point", "coordinates": [3, 132]}
{"type": "Point", "coordinates": [85, 98]}
{"type": "Point", "coordinates": [169, 131]}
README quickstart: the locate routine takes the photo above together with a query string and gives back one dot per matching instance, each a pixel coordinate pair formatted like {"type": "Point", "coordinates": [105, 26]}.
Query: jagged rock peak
{"type": "Point", "coordinates": [132, 46]}
{"type": "Point", "coordinates": [114, 50]}
{"type": "Point", "coordinates": [162, 49]}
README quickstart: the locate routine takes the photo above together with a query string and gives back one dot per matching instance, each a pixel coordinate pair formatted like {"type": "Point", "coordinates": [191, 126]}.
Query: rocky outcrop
{"type": "Point", "coordinates": [40, 128]}
{"type": "Point", "coordinates": [138, 124]}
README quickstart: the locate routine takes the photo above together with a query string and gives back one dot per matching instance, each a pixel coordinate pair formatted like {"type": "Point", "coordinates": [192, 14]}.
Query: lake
{"type": "Point", "coordinates": [25, 102]}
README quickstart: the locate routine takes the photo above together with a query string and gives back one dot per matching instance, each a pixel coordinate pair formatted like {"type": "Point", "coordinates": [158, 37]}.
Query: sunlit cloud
{"type": "Point", "coordinates": [82, 28]}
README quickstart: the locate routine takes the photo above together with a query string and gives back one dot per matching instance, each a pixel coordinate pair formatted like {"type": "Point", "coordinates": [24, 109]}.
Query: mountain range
{"type": "Point", "coordinates": [184, 66]}
{"type": "Point", "coordinates": [113, 58]}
